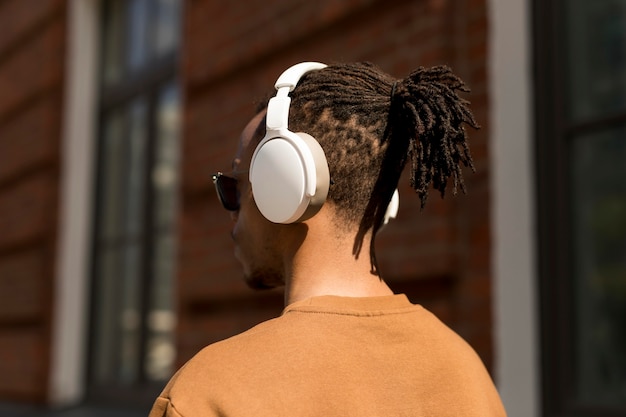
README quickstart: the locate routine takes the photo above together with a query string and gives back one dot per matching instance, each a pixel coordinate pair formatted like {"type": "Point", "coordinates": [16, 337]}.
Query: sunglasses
{"type": "Point", "coordinates": [227, 191]}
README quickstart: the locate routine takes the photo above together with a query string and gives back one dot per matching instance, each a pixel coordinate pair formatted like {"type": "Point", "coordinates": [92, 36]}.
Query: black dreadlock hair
{"type": "Point", "coordinates": [370, 124]}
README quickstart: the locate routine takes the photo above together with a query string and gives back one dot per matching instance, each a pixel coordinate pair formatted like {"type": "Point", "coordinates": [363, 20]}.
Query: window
{"type": "Point", "coordinates": [133, 317]}
{"type": "Point", "coordinates": [580, 68]}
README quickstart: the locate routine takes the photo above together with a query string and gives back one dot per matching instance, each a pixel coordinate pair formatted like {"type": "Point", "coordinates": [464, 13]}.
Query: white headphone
{"type": "Point", "coordinates": [288, 171]}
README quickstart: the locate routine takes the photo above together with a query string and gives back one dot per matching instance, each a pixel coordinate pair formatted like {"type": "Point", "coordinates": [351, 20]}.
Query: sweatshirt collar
{"type": "Point", "coordinates": [356, 305]}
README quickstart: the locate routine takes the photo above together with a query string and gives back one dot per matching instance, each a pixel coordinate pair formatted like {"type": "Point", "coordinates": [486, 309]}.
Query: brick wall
{"type": "Point", "coordinates": [232, 55]}
{"type": "Point", "coordinates": [32, 45]}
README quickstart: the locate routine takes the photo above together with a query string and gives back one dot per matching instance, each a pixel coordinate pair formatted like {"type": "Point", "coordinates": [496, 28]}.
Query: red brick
{"type": "Point", "coordinates": [31, 138]}
{"type": "Point", "coordinates": [28, 210]}
{"type": "Point", "coordinates": [32, 57]}
{"type": "Point", "coordinates": [20, 16]}
{"type": "Point", "coordinates": [23, 361]}
{"type": "Point", "coordinates": [37, 66]}
{"type": "Point", "coordinates": [240, 34]}
{"type": "Point", "coordinates": [21, 282]}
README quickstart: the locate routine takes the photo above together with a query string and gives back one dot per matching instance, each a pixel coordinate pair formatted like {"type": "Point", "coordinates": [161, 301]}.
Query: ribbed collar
{"type": "Point", "coordinates": [396, 303]}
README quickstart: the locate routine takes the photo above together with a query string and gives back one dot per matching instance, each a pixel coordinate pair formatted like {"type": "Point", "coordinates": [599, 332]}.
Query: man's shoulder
{"type": "Point", "coordinates": [214, 356]}
{"type": "Point", "coordinates": [215, 374]}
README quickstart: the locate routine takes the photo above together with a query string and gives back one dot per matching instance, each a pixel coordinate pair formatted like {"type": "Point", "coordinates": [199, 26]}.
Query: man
{"type": "Point", "coordinates": [311, 186]}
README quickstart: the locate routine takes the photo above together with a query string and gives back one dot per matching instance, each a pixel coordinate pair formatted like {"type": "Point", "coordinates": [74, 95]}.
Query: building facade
{"type": "Point", "coordinates": [116, 262]}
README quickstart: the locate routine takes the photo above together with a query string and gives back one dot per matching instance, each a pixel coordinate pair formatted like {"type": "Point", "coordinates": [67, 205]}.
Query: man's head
{"type": "Point", "coordinates": [369, 126]}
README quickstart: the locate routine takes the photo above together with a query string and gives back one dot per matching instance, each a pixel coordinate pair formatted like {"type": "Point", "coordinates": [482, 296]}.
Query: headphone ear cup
{"type": "Point", "coordinates": [322, 176]}
{"type": "Point", "coordinates": [282, 170]}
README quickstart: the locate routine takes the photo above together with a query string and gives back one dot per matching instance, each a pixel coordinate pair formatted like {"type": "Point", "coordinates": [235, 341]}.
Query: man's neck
{"type": "Point", "coordinates": [325, 265]}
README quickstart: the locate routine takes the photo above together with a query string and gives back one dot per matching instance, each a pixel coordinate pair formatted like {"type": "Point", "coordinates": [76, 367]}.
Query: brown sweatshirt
{"type": "Point", "coordinates": [336, 356]}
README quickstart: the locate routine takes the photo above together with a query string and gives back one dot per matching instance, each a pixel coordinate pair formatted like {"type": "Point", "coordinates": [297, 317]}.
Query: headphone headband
{"type": "Point", "coordinates": [290, 77]}
{"type": "Point", "coordinates": [278, 106]}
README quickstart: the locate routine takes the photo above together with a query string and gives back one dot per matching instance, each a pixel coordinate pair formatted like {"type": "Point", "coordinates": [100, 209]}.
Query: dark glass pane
{"type": "Point", "coordinates": [118, 249]}
{"type": "Point", "coordinates": [137, 48]}
{"type": "Point", "coordinates": [167, 26]}
{"type": "Point", "coordinates": [113, 54]}
{"type": "Point", "coordinates": [135, 175]}
{"type": "Point", "coordinates": [106, 326]}
{"type": "Point", "coordinates": [159, 361]}
{"type": "Point", "coordinates": [598, 207]}
{"type": "Point", "coordinates": [114, 166]}
{"type": "Point", "coordinates": [161, 350]}
{"type": "Point", "coordinates": [129, 314]}
{"type": "Point", "coordinates": [117, 324]}
{"type": "Point", "coordinates": [123, 171]}
{"type": "Point", "coordinates": [596, 65]}
{"type": "Point", "coordinates": [166, 167]}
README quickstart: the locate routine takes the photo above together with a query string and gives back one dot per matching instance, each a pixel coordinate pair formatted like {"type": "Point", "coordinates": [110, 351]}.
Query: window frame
{"type": "Point", "coordinates": [148, 82]}
{"type": "Point", "coordinates": [554, 221]}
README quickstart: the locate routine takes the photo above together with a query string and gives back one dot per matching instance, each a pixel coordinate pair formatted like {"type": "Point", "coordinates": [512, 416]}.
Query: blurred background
{"type": "Point", "coordinates": [116, 262]}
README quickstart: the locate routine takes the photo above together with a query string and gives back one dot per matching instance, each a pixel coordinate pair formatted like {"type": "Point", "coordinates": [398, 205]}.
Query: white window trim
{"type": "Point", "coordinates": [70, 305]}
{"type": "Point", "coordinates": [513, 207]}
